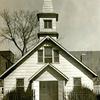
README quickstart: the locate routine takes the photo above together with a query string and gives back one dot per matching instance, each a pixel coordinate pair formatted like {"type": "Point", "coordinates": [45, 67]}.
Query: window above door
{"type": "Point", "coordinates": [48, 55]}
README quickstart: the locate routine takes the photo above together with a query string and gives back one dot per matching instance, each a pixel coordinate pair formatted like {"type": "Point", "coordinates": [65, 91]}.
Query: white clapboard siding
{"type": "Point", "coordinates": [25, 70]}
{"type": "Point", "coordinates": [31, 66]}
{"type": "Point", "coordinates": [46, 76]}
{"type": "Point", "coordinates": [71, 71]}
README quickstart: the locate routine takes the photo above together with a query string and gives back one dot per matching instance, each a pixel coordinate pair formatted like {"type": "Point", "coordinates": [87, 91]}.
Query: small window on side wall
{"type": "Point", "coordinates": [77, 81]}
{"type": "Point", "coordinates": [56, 55]}
{"type": "Point", "coordinates": [40, 55]}
{"type": "Point", "coordinates": [20, 84]}
{"type": "Point", "coordinates": [47, 23]}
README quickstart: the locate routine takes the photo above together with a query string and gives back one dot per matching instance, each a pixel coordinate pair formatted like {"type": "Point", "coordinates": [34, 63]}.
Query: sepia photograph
{"type": "Point", "coordinates": [49, 50]}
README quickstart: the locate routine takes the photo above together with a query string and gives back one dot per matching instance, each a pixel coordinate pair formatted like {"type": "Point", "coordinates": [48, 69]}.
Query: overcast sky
{"type": "Point", "coordinates": [79, 20]}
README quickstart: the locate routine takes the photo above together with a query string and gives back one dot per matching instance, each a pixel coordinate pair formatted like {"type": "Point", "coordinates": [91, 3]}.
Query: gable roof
{"type": "Point", "coordinates": [14, 66]}
{"type": "Point", "coordinates": [50, 66]}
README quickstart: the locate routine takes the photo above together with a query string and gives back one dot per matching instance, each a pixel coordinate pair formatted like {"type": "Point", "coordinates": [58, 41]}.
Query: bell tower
{"type": "Point", "coordinates": [47, 21]}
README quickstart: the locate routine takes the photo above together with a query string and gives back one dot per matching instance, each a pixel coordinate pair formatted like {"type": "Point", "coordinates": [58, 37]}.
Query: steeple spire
{"type": "Point", "coordinates": [47, 6]}
{"type": "Point", "coordinates": [47, 20]}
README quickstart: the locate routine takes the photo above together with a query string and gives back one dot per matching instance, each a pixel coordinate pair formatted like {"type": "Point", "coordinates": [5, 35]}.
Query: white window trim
{"type": "Point", "coordinates": [48, 20]}
{"type": "Point", "coordinates": [24, 82]}
{"type": "Point", "coordinates": [44, 54]}
{"type": "Point", "coordinates": [77, 77]}
{"type": "Point", "coordinates": [53, 56]}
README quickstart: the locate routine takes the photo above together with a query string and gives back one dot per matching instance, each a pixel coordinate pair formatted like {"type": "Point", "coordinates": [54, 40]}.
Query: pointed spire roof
{"type": "Point", "coordinates": [47, 6]}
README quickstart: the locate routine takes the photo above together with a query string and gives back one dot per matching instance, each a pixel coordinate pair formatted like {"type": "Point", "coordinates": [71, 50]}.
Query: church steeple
{"type": "Point", "coordinates": [47, 6]}
{"type": "Point", "coordinates": [47, 20]}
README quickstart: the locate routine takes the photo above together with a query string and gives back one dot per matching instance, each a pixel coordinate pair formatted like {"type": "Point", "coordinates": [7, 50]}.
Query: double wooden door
{"type": "Point", "coordinates": [48, 90]}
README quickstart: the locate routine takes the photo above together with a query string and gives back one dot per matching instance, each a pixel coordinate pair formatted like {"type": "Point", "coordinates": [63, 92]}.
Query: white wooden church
{"type": "Point", "coordinates": [48, 67]}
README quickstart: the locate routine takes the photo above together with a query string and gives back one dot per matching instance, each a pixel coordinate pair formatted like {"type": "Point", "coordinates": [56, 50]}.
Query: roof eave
{"type": "Point", "coordinates": [47, 37]}
{"type": "Point", "coordinates": [48, 64]}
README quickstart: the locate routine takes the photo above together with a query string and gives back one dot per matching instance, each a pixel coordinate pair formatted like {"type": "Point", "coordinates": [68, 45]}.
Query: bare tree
{"type": "Point", "coordinates": [20, 28]}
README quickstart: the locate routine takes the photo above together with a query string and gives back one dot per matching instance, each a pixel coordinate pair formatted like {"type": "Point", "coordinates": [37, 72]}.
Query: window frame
{"type": "Point", "coordinates": [19, 87]}
{"type": "Point", "coordinates": [78, 78]}
{"type": "Point", "coordinates": [55, 56]}
{"type": "Point", "coordinates": [51, 57]}
{"type": "Point", "coordinates": [41, 56]}
{"type": "Point", "coordinates": [47, 23]}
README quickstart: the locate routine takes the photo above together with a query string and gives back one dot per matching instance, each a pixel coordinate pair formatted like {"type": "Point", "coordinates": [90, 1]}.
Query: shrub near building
{"type": "Point", "coordinates": [19, 95]}
{"type": "Point", "coordinates": [81, 93]}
